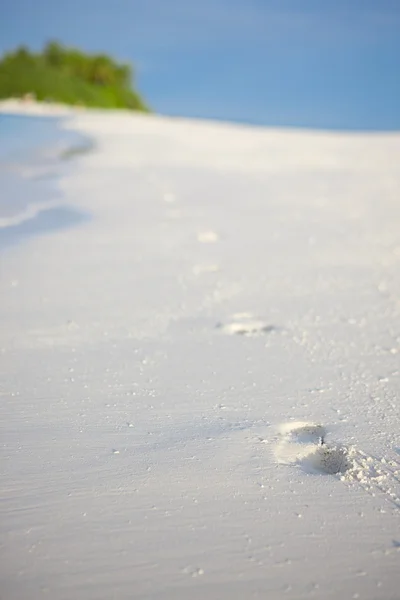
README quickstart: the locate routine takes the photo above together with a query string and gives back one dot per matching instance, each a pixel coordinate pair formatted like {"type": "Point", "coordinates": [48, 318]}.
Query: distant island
{"type": "Point", "coordinates": [70, 76]}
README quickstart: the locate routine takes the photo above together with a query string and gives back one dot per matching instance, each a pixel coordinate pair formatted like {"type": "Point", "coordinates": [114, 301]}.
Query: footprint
{"type": "Point", "coordinates": [304, 445]}
{"type": "Point", "coordinates": [199, 269]}
{"type": "Point", "coordinates": [207, 237]}
{"type": "Point", "coordinates": [331, 460]}
{"type": "Point", "coordinates": [245, 324]}
{"type": "Point", "coordinates": [173, 213]}
{"type": "Point", "coordinates": [304, 433]}
{"type": "Point", "coordinates": [169, 197]}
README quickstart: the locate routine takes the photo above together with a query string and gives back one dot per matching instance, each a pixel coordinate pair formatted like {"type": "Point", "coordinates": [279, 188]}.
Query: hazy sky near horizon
{"type": "Point", "coordinates": [316, 63]}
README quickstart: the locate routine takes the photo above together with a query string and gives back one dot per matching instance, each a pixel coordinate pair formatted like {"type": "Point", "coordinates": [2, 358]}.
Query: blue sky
{"type": "Point", "coordinates": [313, 63]}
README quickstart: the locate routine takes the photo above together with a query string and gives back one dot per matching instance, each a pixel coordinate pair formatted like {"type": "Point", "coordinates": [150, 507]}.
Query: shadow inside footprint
{"type": "Point", "coordinates": [309, 434]}
{"type": "Point", "coordinates": [304, 444]}
{"type": "Point", "coordinates": [331, 460]}
{"type": "Point", "coordinates": [246, 328]}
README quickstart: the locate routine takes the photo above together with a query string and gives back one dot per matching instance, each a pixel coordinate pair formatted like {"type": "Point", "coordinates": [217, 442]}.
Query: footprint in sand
{"type": "Point", "coordinates": [245, 324]}
{"type": "Point", "coordinates": [305, 445]}
{"type": "Point", "coordinates": [173, 213]}
{"type": "Point", "coordinates": [207, 237]}
{"type": "Point", "coordinates": [200, 269]}
{"type": "Point", "coordinates": [169, 197]}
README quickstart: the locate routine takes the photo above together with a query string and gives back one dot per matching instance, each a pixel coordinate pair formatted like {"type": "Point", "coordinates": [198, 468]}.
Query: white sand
{"type": "Point", "coordinates": [20, 106]}
{"type": "Point", "coordinates": [182, 419]}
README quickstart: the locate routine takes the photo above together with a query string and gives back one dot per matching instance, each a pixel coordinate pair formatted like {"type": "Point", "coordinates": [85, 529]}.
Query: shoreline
{"type": "Point", "coordinates": [32, 108]}
{"type": "Point", "coordinates": [44, 220]}
{"type": "Point", "coordinates": [33, 202]}
{"type": "Point", "coordinates": [16, 106]}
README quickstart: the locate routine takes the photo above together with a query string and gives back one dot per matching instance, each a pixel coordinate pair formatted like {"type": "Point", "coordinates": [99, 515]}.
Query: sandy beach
{"type": "Point", "coordinates": [201, 378]}
{"type": "Point", "coordinates": [20, 106]}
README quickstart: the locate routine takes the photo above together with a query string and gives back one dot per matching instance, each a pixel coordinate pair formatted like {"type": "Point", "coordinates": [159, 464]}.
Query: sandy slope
{"type": "Point", "coordinates": [200, 383]}
{"type": "Point", "coordinates": [18, 106]}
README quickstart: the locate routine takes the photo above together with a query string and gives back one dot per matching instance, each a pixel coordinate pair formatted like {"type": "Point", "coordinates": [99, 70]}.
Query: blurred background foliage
{"type": "Point", "coordinates": [68, 75]}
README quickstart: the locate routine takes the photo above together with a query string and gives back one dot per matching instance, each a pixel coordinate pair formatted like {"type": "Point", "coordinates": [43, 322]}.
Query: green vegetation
{"type": "Point", "coordinates": [67, 75]}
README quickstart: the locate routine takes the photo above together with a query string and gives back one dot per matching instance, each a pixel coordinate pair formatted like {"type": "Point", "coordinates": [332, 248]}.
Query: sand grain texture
{"type": "Point", "coordinates": [153, 384]}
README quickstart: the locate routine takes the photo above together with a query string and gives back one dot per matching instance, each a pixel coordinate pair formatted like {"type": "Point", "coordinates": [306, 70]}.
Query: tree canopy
{"type": "Point", "coordinates": [68, 75]}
